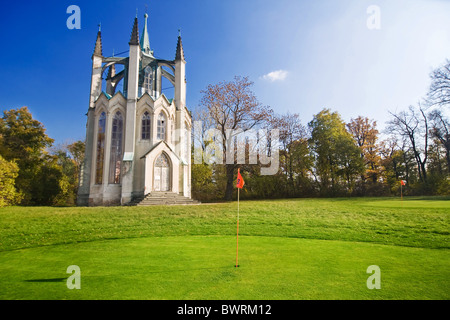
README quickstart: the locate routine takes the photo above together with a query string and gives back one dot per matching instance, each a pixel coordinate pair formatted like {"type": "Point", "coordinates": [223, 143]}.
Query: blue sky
{"type": "Point", "coordinates": [302, 55]}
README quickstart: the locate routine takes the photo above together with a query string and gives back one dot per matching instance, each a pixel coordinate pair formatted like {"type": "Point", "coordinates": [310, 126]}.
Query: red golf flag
{"type": "Point", "coordinates": [240, 182]}
{"type": "Point", "coordinates": [402, 182]}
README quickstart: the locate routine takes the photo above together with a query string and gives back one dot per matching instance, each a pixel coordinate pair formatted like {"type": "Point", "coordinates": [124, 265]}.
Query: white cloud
{"type": "Point", "coordinates": [278, 75]}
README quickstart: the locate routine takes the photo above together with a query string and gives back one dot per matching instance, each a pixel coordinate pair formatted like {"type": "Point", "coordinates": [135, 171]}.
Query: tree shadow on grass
{"type": "Point", "coordinates": [155, 271]}
{"type": "Point", "coordinates": [47, 280]}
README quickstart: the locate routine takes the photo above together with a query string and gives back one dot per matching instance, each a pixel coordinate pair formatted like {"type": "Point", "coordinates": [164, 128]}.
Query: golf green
{"type": "Point", "coordinates": [202, 267]}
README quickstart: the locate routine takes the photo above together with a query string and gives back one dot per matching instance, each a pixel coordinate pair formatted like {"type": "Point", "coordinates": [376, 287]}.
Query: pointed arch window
{"type": "Point", "coordinates": [148, 80]}
{"type": "Point", "coordinates": [115, 164]}
{"type": "Point", "coordinates": [145, 128]}
{"type": "Point", "coordinates": [100, 149]}
{"type": "Point", "coordinates": [161, 126]}
{"type": "Point", "coordinates": [162, 161]}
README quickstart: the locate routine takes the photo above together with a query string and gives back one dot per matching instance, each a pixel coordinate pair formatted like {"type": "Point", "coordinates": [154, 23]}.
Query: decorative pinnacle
{"type": "Point", "coordinates": [98, 45]}
{"type": "Point", "coordinates": [179, 55]}
{"type": "Point", "coordinates": [134, 34]}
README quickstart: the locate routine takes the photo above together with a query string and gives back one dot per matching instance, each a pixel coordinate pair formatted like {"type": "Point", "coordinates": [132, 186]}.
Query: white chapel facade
{"type": "Point", "coordinates": [137, 140]}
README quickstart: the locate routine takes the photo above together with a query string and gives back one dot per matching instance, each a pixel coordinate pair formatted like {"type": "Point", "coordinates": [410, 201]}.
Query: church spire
{"type": "Point", "coordinates": [135, 34]}
{"type": "Point", "coordinates": [98, 45]}
{"type": "Point", "coordinates": [145, 42]}
{"type": "Point", "coordinates": [180, 52]}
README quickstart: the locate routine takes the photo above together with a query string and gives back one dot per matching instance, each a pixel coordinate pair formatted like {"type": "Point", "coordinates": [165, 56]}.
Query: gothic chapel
{"type": "Point", "coordinates": [138, 141]}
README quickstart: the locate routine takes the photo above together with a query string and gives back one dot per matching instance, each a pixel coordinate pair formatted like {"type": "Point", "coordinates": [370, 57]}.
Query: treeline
{"type": "Point", "coordinates": [32, 170]}
{"type": "Point", "coordinates": [329, 157]}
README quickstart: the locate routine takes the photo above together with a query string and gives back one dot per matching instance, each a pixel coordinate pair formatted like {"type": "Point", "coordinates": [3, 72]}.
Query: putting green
{"type": "Point", "coordinates": [409, 203]}
{"type": "Point", "coordinates": [202, 267]}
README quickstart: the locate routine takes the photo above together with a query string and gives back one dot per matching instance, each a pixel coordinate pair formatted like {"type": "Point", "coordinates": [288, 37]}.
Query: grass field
{"type": "Point", "coordinates": [288, 249]}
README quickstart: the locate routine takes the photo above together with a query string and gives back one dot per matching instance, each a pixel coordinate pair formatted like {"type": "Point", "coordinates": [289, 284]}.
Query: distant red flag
{"type": "Point", "coordinates": [240, 182]}
{"type": "Point", "coordinates": [402, 182]}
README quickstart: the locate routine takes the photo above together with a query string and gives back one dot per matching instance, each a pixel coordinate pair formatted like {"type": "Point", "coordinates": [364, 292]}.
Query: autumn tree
{"type": "Point", "coordinates": [8, 174]}
{"type": "Point", "coordinates": [23, 140]}
{"type": "Point", "coordinates": [68, 157]}
{"type": "Point", "coordinates": [234, 109]}
{"type": "Point", "coordinates": [295, 160]}
{"type": "Point", "coordinates": [398, 163]}
{"type": "Point", "coordinates": [76, 150]}
{"type": "Point", "coordinates": [391, 162]}
{"type": "Point", "coordinates": [365, 134]}
{"type": "Point", "coordinates": [50, 186]}
{"type": "Point", "coordinates": [336, 156]}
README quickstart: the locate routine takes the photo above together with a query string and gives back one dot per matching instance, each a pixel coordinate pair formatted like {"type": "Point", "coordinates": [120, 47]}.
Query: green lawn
{"type": "Point", "coordinates": [289, 249]}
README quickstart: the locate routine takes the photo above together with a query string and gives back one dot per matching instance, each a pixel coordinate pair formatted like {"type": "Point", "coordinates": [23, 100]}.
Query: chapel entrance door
{"type": "Point", "coordinates": [162, 173]}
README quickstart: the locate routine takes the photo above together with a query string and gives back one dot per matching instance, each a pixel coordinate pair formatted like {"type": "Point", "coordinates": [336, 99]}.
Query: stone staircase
{"type": "Point", "coordinates": [163, 198]}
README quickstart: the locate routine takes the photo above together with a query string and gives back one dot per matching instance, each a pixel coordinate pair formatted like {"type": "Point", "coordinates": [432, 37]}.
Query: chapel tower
{"type": "Point", "coordinates": [138, 140]}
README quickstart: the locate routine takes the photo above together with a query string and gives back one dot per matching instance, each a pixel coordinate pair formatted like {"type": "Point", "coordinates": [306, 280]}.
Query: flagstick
{"type": "Point", "coordinates": [237, 235]}
{"type": "Point", "coordinates": [401, 191]}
